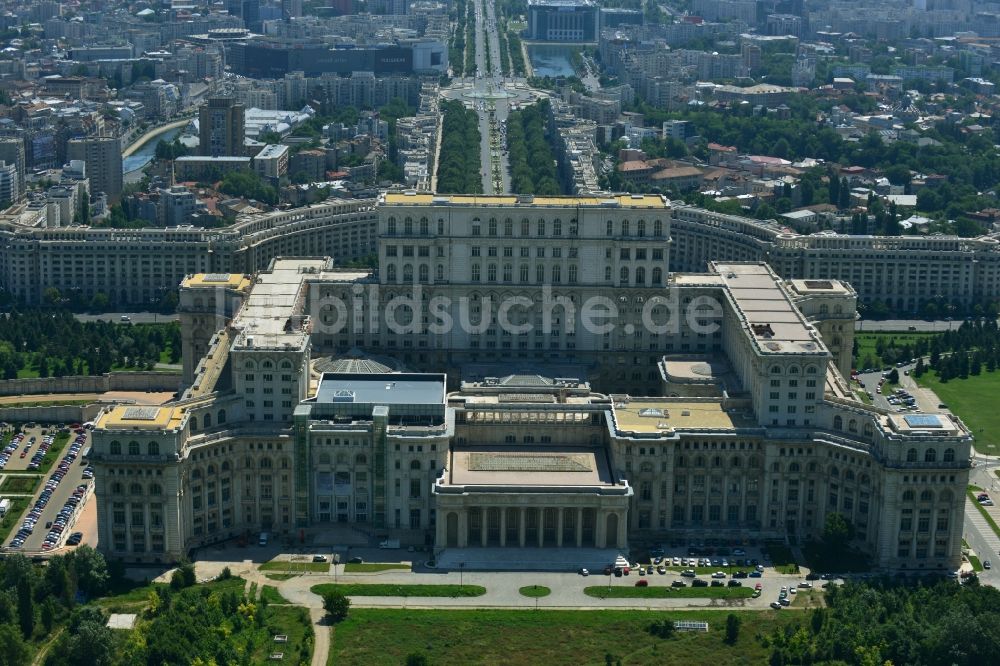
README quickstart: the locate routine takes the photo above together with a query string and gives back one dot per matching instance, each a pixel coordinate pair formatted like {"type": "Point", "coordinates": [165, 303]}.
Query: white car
{"type": "Point", "coordinates": [584, 572]}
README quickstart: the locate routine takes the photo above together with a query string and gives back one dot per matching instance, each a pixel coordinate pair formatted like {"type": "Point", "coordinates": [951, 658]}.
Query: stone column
{"type": "Point", "coordinates": [484, 512]}
{"type": "Point", "coordinates": [541, 526]}
{"type": "Point", "coordinates": [579, 527]}
{"type": "Point", "coordinates": [600, 526]}
{"type": "Point", "coordinates": [463, 528]}
{"type": "Point", "coordinates": [521, 526]}
{"type": "Point", "coordinates": [441, 531]}
{"type": "Point", "coordinates": [622, 530]}
{"type": "Point", "coordinates": [503, 526]}
{"type": "Point", "coordinates": [559, 528]}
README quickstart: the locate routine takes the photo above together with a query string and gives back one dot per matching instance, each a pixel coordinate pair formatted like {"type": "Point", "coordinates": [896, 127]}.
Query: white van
{"type": "Point", "coordinates": [262, 541]}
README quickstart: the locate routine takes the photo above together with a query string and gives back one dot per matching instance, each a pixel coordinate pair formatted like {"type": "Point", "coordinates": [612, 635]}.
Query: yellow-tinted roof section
{"type": "Point", "coordinates": [228, 280]}
{"type": "Point", "coordinates": [622, 200]}
{"type": "Point", "coordinates": [124, 417]}
{"type": "Point", "coordinates": [665, 415]}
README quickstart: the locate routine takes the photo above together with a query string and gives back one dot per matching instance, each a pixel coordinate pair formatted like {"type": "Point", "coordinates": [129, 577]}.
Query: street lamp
{"type": "Point", "coordinates": [461, 574]}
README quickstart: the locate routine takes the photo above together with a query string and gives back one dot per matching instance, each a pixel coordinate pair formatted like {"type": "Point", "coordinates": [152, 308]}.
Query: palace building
{"type": "Point", "coordinates": [524, 372]}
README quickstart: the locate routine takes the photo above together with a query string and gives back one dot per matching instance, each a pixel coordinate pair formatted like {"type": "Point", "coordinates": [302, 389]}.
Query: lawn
{"type": "Point", "coordinates": [13, 517]}
{"type": "Point", "coordinates": [535, 591]}
{"type": "Point", "coordinates": [293, 622]}
{"type": "Point", "coordinates": [294, 567]}
{"type": "Point", "coordinates": [632, 592]}
{"type": "Point", "coordinates": [972, 400]}
{"type": "Point", "coordinates": [808, 598]}
{"type": "Point", "coordinates": [281, 576]}
{"type": "Point", "coordinates": [20, 484]}
{"type": "Point", "coordinates": [867, 342]}
{"type": "Point", "coordinates": [394, 590]}
{"type": "Point", "coordinates": [551, 637]}
{"type": "Point", "coordinates": [373, 567]}
{"type": "Point", "coordinates": [270, 594]}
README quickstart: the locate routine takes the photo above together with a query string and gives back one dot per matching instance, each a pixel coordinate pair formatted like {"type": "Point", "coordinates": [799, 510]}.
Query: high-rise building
{"type": "Point", "coordinates": [221, 127]}
{"type": "Point", "coordinates": [12, 152]}
{"type": "Point", "coordinates": [9, 192]}
{"type": "Point", "coordinates": [103, 158]}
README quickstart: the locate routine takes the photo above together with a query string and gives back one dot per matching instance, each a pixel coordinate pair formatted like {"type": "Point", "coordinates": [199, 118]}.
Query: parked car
{"type": "Point", "coordinates": [584, 572]}
{"type": "Point", "coordinates": [688, 573]}
{"type": "Point", "coordinates": [319, 558]}
{"type": "Point", "coordinates": [642, 582]}
{"type": "Point", "coordinates": [678, 583]}
{"type": "Point", "coordinates": [775, 605]}
{"type": "Point", "coordinates": [735, 583]}
{"type": "Point", "coordinates": [719, 574]}
{"type": "Point", "coordinates": [698, 582]}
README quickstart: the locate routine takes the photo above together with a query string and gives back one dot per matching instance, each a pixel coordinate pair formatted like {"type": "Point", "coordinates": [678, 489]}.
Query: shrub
{"type": "Point", "coordinates": [336, 605]}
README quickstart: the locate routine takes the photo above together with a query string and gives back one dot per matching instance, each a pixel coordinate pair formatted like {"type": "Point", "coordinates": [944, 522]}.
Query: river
{"type": "Point", "coordinates": [144, 155]}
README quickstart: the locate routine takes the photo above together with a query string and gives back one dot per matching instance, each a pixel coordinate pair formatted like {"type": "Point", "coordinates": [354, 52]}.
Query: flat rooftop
{"type": "Point", "coordinates": [140, 418]}
{"type": "Point", "coordinates": [770, 319]}
{"type": "Point", "coordinates": [932, 424]}
{"type": "Point", "coordinates": [616, 201]}
{"type": "Point", "coordinates": [529, 466]}
{"type": "Point", "coordinates": [662, 415]}
{"type": "Point", "coordinates": [209, 280]}
{"type": "Point", "coordinates": [395, 388]}
{"type": "Point", "coordinates": [273, 301]}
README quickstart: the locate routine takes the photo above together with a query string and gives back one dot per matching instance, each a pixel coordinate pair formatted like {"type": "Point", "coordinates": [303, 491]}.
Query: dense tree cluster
{"type": "Point", "coordinates": [456, 49]}
{"type": "Point", "coordinates": [877, 624]}
{"type": "Point", "coordinates": [532, 163]}
{"type": "Point", "coordinates": [34, 600]}
{"type": "Point", "coordinates": [171, 150]}
{"type": "Point", "coordinates": [248, 185]}
{"type": "Point", "coordinates": [459, 168]}
{"type": "Point", "coordinates": [970, 349]}
{"type": "Point", "coordinates": [57, 344]}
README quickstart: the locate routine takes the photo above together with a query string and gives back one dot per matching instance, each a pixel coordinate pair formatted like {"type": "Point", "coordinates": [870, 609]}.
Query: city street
{"type": "Point", "coordinates": [489, 100]}
{"type": "Point", "coordinates": [903, 325]}
{"type": "Point", "coordinates": [134, 317]}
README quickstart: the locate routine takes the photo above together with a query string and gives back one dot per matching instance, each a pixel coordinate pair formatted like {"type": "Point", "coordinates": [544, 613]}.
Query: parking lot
{"type": "Point", "coordinates": [61, 494]}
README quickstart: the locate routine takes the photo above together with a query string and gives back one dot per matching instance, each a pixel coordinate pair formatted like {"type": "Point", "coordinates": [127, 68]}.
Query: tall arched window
{"type": "Point", "coordinates": [930, 455]}
{"type": "Point", "coordinates": [640, 276]}
{"type": "Point", "coordinates": [133, 448]}
{"type": "Point", "coordinates": [493, 227]}
{"type": "Point", "coordinates": [134, 489]}
{"type": "Point", "coordinates": [424, 273]}
{"type": "Point", "coordinates": [640, 228]}
{"type": "Point", "coordinates": [657, 276]}
{"type": "Point", "coordinates": [115, 448]}
{"type": "Point", "coordinates": [623, 275]}
{"type": "Point", "coordinates": [360, 459]}
{"type": "Point", "coordinates": [949, 455]}
{"type": "Point", "coordinates": [390, 273]}
{"type": "Point", "coordinates": [153, 448]}
{"type": "Point", "coordinates": [407, 273]}
{"type": "Point", "coordinates": [508, 227]}
{"type": "Point", "coordinates": [911, 455]}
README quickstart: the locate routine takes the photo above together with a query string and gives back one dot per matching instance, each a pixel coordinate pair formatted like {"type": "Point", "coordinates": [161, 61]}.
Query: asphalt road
{"type": "Point", "coordinates": [134, 317]}
{"type": "Point", "coordinates": [485, 82]}
{"type": "Point", "coordinates": [62, 492]}
{"type": "Point", "coordinates": [915, 325]}
{"type": "Point", "coordinates": [977, 533]}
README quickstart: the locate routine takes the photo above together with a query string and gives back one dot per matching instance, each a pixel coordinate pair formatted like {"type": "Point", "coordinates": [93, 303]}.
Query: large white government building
{"type": "Point", "coordinates": [463, 396]}
{"type": "Point", "coordinates": [135, 267]}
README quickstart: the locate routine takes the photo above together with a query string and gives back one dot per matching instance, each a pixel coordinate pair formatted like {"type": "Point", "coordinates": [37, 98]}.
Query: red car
{"type": "Point", "coordinates": [642, 582]}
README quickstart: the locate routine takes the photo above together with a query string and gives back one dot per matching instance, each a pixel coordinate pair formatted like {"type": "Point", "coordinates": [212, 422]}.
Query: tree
{"type": "Point", "coordinates": [336, 605]}
{"type": "Point", "coordinates": [834, 189]}
{"type": "Point", "coordinates": [893, 377]}
{"type": "Point", "coordinates": [732, 629]}
{"type": "Point", "coordinates": [844, 193]}
{"type": "Point", "coordinates": [837, 532]}
{"type": "Point", "coordinates": [49, 610]}
{"type": "Point", "coordinates": [25, 607]}
{"type": "Point", "coordinates": [13, 650]}
{"type": "Point", "coordinates": [91, 571]}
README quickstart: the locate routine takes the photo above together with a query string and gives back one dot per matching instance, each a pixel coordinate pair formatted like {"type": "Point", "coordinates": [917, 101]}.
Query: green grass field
{"type": "Point", "coordinates": [535, 591]}
{"type": "Point", "coordinates": [280, 576]}
{"type": "Point", "coordinates": [395, 590]}
{"type": "Point", "coordinates": [867, 342]}
{"type": "Point", "coordinates": [377, 637]}
{"type": "Point", "coordinates": [294, 567]}
{"type": "Point", "coordinates": [20, 484]}
{"type": "Point", "coordinates": [374, 567]}
{"type": "Point", "coordinates": [662, 592]}
{"type": "Point", "coordinates": [972, 400]}
{"type": "Point", "coordinates": [270, 594]}
{"type": "Point", "coordinates": [294, 623]}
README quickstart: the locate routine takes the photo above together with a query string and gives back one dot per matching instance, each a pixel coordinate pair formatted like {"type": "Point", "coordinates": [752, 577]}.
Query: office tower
{"type": "Point", "coordinates": [103, 157]}
{"type": "Point", "coordinates": [9, 192]}
{"type": "Point", "coordinates": [12, 152]}
{"type": "Point", "coordinates": [220, 123]}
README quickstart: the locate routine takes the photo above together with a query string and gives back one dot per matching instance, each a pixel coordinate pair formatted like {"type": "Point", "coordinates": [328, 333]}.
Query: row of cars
{"type": "Point", "coordinates": [58, 526]}
{"type": "Point", "coordinates": [784, 596]}
{"type": "Point", "coordinates": [11, 448]}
